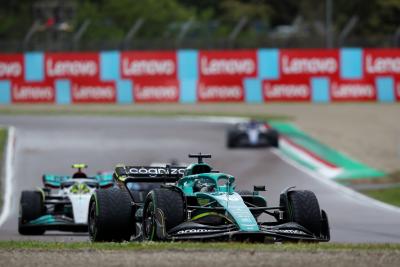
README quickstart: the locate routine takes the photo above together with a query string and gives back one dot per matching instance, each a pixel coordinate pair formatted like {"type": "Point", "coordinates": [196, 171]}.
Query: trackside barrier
{"type": "Point", "coordinates": [198, 76]}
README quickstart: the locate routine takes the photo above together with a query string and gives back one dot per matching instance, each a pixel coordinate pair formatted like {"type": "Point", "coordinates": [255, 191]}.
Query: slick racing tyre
{"type": "Point", "coordinates": [163, 210]}
{"type": "Point", "coordinates": [31, 208]}
{"type": "Point", "coordinates": [273, 138]}
{"type": "Point", "coordinates": [304, 210]}
{"type": "Point", "coordinates": [230, 139]}
{"type": "Point", "coordinates": [111, 216]}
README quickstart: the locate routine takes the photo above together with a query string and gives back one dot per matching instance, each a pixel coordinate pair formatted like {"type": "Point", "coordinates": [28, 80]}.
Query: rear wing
{"type": "Point", "coordinates": [149, 174]}
{"type": "Point", "coordinates": [104, 179]}
{"type": "Point", "coordinates": [54, 181]}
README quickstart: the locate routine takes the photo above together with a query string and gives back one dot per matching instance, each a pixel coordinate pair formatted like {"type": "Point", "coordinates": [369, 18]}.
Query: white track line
{"type": "Point", "coordinates": [362, 199]}
{"type": "Point", "coordinates": [8, 175]}
{"type": "Point", "coordinates": [214, 119]}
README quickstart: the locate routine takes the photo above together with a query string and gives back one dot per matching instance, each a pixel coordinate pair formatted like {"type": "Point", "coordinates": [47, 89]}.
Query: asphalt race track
{"type": "Point", "coordinates": [52, 144]}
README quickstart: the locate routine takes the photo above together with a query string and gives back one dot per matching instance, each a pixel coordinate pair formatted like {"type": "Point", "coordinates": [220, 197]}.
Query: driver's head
{"type": "Point", "coordinates": [205, 187]}
{"type": "Point", "coordinates": [253, 122]}
{"type": "Point", "coordinates": [79, 174]}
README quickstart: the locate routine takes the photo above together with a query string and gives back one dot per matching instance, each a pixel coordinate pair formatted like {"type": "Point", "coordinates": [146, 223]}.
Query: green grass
{"type": "Point", "coordinates": [3, 138]}
{"type": "Point", "coordinates": [193, 246]}
{"type": "Point", "coordinates": [388, 195]}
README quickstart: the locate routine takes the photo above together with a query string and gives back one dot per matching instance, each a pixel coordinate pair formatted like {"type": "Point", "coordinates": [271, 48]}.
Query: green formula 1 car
{"type": "Point", "coordinates": [198, 203]}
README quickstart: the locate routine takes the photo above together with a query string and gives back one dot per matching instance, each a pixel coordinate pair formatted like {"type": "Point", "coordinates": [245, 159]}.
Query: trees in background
{"type": "Point", "coordinates": [111, 20]}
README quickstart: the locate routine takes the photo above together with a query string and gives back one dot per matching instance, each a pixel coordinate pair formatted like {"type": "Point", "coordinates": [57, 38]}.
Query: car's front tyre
{"type": "Point", "coordinates": [273, 138]}
{"type": "Point", "coordinates": [163, 210]}
{"type": "Point", "coordinates": [303, 208]}
{"type": "Point", "coordinates": [31, 208]}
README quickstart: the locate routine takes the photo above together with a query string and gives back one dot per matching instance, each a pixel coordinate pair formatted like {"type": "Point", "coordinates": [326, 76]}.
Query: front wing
{"type": "Point", "coordinates": [56, 223]}
{"type": "Point", "coordinates": [282, 232]}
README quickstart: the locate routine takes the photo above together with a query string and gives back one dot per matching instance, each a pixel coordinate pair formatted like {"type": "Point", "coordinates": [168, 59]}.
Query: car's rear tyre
{"type": "Point", "coordinates": [31, 208]}
{"type": "Point", "coordinates": [230, 139]}
{"type": "Point", "coordinates": [273, 138]}
{"type": "Point", "coordinates": [111, 216]}
{"type": "Point", "coordinates": [304, 209]}
{"type": "Point", "coordinates": [163, 210]}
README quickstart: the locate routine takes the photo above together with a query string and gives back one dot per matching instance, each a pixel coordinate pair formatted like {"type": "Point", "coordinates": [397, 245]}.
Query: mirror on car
{"type": "Point", "coordinates": [258, 188]}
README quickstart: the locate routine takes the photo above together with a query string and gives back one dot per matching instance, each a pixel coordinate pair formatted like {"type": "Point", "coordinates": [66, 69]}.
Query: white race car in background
{"type": "Point", "coordinates": [252, 134]}
{"type": "Point", "coordinates": [62, 204]}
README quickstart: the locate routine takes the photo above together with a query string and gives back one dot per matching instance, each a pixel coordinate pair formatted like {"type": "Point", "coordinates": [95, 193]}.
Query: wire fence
{"type": "Point", "coordinates": [241, 34]}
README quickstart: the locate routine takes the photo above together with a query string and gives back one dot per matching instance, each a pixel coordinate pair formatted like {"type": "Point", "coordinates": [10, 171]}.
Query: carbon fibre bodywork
{"type": "Point", "coordinates": [213, 210]}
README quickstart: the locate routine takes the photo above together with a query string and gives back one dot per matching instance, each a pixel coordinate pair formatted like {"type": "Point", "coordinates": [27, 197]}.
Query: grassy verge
{"type": "Point", "coordinates": [160, 110]}
{"type": "Point", "coordinates": [385, 189]}
{"type": "Point", "coordinates": [194, 246]}
{"type": "Point", "coordinates": [388, 195]}
{"type": "Point", "coordinates": [3, 138]}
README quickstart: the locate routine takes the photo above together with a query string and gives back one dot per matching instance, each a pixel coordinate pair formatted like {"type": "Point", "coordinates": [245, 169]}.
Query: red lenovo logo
{"type": "Point", "coordinates": [148, 65]}
{"type": "Point", "coordinates": [312, 66]}
{"type": "Point", "coordinates": [33, 93]}
{"type": "Point", "coordinates": [168, 92]}
{"type": "Point", "coordinates": [382, 65]}
{"type": "Point", "coordinates": [286, 91]}
{"type": "Point", "coordinates": [94, 92]}
{"type": "Point", "coordinates": [72, 65]}
{"type": "Point", "coordinates": [232, 64]}
{"type": "Point", "coordinates": [211, 92]}
{"type": "Point", "coordinates": [11, 67]}
{"type": "Point", "coordinates": [242, 67]}
{"type": "Point", "coordinates": [353, 90]}
{"type": "Point", "coordinates": [309, 62]}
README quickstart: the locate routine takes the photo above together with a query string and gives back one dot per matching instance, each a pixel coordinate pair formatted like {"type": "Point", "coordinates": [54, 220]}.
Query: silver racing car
{"type": "Point", "coordinates": [62, 204]}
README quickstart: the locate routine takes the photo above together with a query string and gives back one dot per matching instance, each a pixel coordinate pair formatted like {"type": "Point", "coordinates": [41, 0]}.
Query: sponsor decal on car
{"type": "Point", "coordinates": [72, 65]}
{"type": "Point", "coordinates": [220, 91]}
{"type": "Point", "coordinates": [11, 67]}
{"type": "Point", "coordinates": [287, 231]}
{"type": "Point", "coordinates": [93, 92]}
{"type": "Point", "coordinates": [288, 90]}
{"type": "Point", "coordinates": [34, 92]}
{"type": "Point", "coordinates": [148, 65]}
{"type": "Point", "coordinates": [308, 62]}
{"type": "Point", "coordinates": [194, 231]}
{"type": "Point", "coordinates": [351, 90]}
{"type": "Point", "coordinates": [153, 171]}
{"type": "Point", "coordinates": [381, 62]}
{"type": "Point", "coordinates": [156, 91]}
{"type": "Point", "coordinates": [231, 64]}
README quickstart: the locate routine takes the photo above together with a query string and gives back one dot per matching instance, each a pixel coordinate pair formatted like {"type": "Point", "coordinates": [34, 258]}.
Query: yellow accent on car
{"type": "Point", "coordinates": [79, 166]}
{"type": "Point", "coordinates": [205, 214]}
{"type": "Point", "coordinates": [79, 188]}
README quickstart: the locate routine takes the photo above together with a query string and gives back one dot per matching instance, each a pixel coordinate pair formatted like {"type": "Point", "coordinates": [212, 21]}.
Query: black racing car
{"type": "Point", "coordinates": [252, 134]}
